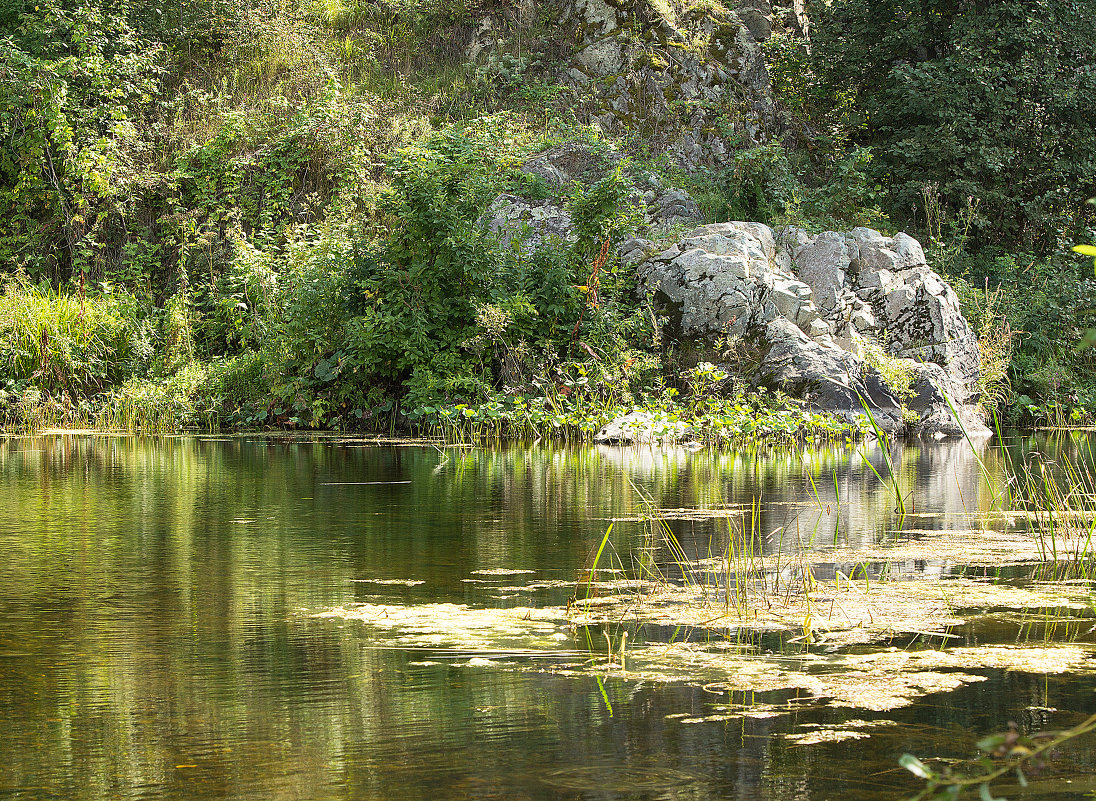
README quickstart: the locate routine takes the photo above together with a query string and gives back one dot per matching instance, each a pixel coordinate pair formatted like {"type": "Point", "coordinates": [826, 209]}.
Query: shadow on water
{"type": "Point", "coordinates": [157, 638]}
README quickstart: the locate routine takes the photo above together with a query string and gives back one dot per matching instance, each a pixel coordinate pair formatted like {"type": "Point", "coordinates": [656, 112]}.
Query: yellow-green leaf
{"type": "Point", "coordinates": [1087, 250]}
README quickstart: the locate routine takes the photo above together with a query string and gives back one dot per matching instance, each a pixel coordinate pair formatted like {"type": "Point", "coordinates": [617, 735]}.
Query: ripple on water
{"type": "Point", "coordinates": [617, 778]}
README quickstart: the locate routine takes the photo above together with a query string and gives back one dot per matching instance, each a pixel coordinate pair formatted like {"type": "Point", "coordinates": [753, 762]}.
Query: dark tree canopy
{"type": "Point", "coordinates": [990, 100]}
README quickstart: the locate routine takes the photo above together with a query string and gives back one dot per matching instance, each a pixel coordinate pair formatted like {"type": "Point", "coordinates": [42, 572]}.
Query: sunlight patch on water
{"type": "Point", "coordinates": [501, 571]}
{"type": "Point", "coordinates": [450, 625]}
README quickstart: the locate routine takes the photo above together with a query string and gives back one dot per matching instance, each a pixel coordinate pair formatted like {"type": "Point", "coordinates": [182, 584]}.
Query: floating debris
{"type": "Point", "coordinates": [879, 680]}
{"type": "Point", "coordinates": [501, 571]}
{"type": "Point", "coordinates": [390, 582]}
{"type": "Point", "coordinates": [849, 730]}
{"type": "Point", "coordinates": [435, 625]}
{"type": "Point", "coordinates": [358, 483]}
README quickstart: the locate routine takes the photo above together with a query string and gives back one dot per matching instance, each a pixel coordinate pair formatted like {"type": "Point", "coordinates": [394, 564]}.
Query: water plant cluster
{"type": "Point", "coordinates": [1039, 512]}
{"type": "Point", "coordinates": [714, 420]}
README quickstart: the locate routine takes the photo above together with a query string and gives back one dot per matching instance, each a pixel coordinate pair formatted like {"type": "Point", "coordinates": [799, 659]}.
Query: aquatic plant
{"type": "Point", "coordinates": [892, 477]}
{"type": "Point", "coordinates": [570, 413]}
{"type": "Point", "coordinates": [1057, 497]}
{"type": "Point", "coordinates": [1009, 752]}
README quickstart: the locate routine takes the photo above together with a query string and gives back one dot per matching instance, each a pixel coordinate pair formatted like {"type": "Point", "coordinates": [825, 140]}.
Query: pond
{"type": "Point", "coordinates": [285, 618]}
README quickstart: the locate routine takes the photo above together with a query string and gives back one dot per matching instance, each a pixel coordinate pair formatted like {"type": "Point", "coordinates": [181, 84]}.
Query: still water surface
{"type": "Point", "coordinates": [157, 637]}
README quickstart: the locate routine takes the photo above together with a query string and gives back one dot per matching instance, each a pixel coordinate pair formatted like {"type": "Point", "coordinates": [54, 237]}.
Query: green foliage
{"type": "Point", "coordinates": [58, 351]}
{"type": "Point", "coordinates": [1030, 315]}
{"type": "Point", "coordinates": [762, 185]}
{"type": "Point", "coordinates": [579, 415]}
{"type": "Point", "coordinates": [177, 336]}
{"type": "Point", "coordinates": [602, 213]}
{"type": "Point", "coordinates": [1011, 752]}
{"type": "Point", "coordinates": [272, 211]}
{"type": "Point", "coordinates": [237, 309]}
{"type": "Point", "coordinates": [156, 405]}
{"type": "Point", "coordinates": [61, 343]}
{"type": "Point", "coordinates": [416, 300]}
{"type": "Point", "coordinates": [984, 309]}
{"type": "Point", "coordinates": [897, 374]}
{"type": "Point", "coordinates": [985, 100]}
{"type": "Point", "coordinates": [769, 184]}
{"type": "Point", "coordinates": [225, 392]}
{"type": "Point", "coordinates": [75, 79]}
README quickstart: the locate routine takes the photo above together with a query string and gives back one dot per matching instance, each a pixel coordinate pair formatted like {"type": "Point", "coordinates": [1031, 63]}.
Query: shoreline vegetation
{"type": "Point", "coordinates": [271, 215]}
{"type": "Point", "coordinates": [95, 363]}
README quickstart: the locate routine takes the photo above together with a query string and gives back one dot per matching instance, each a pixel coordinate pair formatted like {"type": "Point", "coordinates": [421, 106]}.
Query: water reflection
{"type": "Point", "coordinates": [155, 641]}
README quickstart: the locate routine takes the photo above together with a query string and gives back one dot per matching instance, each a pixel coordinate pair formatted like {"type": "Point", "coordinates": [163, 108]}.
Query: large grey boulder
{"type": "Point", "coordinates": [528, 224]}
{"type": "Point", "coordinates": [570, 161]}
{"type": "Point", "coordinates": [825, 312]}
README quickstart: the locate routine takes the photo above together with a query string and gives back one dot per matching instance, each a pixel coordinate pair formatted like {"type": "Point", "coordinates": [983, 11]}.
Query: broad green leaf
{"type": "Point", "coordinates": [915, 766]}
{"type": "Point", "coordinates": [990, 743]}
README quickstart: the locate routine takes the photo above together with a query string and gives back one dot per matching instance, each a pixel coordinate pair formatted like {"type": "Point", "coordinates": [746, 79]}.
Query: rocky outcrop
{"type": "Point", "coordinates": [693, 81]}
{"type": "Point", "coordinates": [839, 319]}
{"type": "Point", "coordinates": [536, 222]}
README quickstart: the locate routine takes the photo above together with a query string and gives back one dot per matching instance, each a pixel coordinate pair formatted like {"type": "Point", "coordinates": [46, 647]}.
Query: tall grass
{"type": "Point", "coordinates": [1059, 497]}
{"type": "Point", "coordinates": [58, 351]}
{"type": "Point", "coordinates": [161, 406]}
{"type": "Point", "coordinates": [64, 342]}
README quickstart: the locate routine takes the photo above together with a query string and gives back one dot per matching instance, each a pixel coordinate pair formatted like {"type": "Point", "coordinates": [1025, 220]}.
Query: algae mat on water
{"type": "Point", "coordinates": [882, 679]}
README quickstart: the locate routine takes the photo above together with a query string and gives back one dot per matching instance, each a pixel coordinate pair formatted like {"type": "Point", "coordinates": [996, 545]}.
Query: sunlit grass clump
{"type": "Point", "coordinates": [59, 350]}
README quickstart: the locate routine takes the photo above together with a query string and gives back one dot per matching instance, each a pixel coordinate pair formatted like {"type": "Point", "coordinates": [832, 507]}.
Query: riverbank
{"type": "Point", "coordinates": [564, 416]}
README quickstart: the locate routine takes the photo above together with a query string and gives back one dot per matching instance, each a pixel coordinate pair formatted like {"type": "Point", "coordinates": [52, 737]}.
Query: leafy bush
{"type": "Point", "coordinates": [773, 185]}
{"type": "Point", "coordinates": [75, 79]}
{"type": "Point", "coordinates": [985, 100]}
{"type": "Point", "coordinates": [1030, 315]}
{"type": "Point", "coordinates": [897, 374]}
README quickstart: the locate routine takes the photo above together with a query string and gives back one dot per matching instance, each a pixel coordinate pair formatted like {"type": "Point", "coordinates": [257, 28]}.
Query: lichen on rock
{"type": "Point", "coordinates": [692, 79]}
{"type": "Point", "coordinates": [814, 305]}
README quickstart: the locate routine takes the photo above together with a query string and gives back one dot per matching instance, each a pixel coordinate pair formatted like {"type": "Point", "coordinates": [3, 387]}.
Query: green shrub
{"type": "Point", "coordinates": [236, 391]}
{"type": "Point", "coordinates": [773, 185]}
{"type": "Point", "coordinates": [985, 100]}
{"type": "Point", "coordinates": [75, 79]}
{"type": "Point", "coordinates": [897, 374]}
